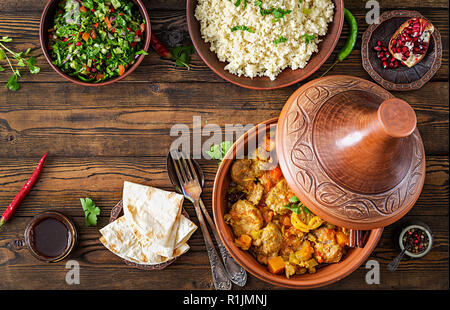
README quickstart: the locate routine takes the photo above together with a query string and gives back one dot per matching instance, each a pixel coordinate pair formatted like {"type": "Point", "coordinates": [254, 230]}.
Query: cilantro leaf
{"type": "Point", "coordinates": [280, 40]}
{"type": "Point", "coordinates": [90, 211]}
{"type": "Point", "coordinates": [30, 63]}
{"type": "Point", "coordinates": [243, 28]}
{"type": "Point", "coordinates": [308, 38]}
{"type": "Point", "coordinates": [296, 208]}
{"type": "Point", "coordinates": [12, 83]}
{"type": "Point", "coordinates": [218, 151]}
{"type": "Point", "coordinates": [5, 39]}
{"type": "Point", "coordinates": [182, 55]}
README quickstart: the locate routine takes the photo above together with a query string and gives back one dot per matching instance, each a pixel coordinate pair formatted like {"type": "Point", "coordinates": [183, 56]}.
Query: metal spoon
{"type": "Point", "coordinates": [236, 273]}
{"type": "Point", "coordinates": [392, 266]}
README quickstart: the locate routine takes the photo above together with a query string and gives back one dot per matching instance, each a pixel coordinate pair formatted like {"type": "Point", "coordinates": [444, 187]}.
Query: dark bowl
{"type": "Point", "coordinates": [324, 276]}
{"type": "Point", "coordinates": [285, 78]}
{"type": "Point", "coordinates": [401, 78]}
{"type": "Point", "coordinates": [47, 21]}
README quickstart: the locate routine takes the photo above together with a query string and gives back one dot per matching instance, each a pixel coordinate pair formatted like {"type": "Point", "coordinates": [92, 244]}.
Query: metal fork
{"type": "Point", "coordinates": [191, 189]}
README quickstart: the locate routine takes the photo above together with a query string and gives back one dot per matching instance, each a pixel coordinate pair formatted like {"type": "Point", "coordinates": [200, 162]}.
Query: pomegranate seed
{"type": "Point", "coordinates": [395, 64]}
{"type": "Point", "coordinates": [69, 44]}
{"type": "Point", "coordinates": [112, 10]}
{"type": "Point", "coordinates": [391, 65]}
{"type": "Point", "coordinates": [379, 43]}
{"type": "Point", "coordinates": [78, 43]}
{"type": "Point", "coordinates": [92, 10]}
{"type": "Point", "coordinates": [394, 42]}
{"type": "Point", "coordinates": [128, 29]}
{"type": "Point", "coordinates": [126, 66]}
{"type": "Point", "coordinates": [133, 44]}
{"type": "Point", "coordinates": [93, 70]}
{"type": "Point", "coordinates": [65, 39]}
{"type": "Point", "coordinates": [384, 49]}
{"type": "Point", "coordinates": [384, 58]}
{"type": "Point", "coordinates": [138, 32]}
{"type": "Point", "coordinates": [404, 57]}
{"type": "Point", "coordinates": [377, 48]}
{"type": "Point", "coordinates": [113, 30]}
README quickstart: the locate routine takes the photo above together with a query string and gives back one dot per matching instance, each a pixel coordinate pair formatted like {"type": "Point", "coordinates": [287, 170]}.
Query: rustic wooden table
{"type": "Point", "coordinates": [99, 137]}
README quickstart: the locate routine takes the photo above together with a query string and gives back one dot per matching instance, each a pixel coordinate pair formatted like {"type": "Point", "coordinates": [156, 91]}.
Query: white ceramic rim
{"type": "Point", "coordinates": [430, 238]}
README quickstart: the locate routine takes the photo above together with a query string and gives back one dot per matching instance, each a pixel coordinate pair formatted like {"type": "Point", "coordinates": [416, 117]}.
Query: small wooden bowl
{"type": "Point", "coordinates": [401, 78]}
{"type": "Point", "coordinates": [116, 212]}
{"type": "Point", "coordinates": [47, 22]}
{"type": "Point", "coordinates": [285, 78]}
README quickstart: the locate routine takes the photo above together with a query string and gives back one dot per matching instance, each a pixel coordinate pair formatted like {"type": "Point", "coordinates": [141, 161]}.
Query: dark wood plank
{"type": "Point", "coordinates": [98, 264]}
{"type": "Point", "coordinates": [131, 119]}
{"type": "Point", "coordinates": [64, 180]}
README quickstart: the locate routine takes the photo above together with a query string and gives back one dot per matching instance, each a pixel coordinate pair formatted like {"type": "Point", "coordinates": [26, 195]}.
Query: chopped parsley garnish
{"type": "Point", "coordinates": [308, 38]}
{"type": "Point", "coordinates": [243, 28]}
{"type": "Point", "coordinates": [297, 206]}
{"type": "Point", "coordinates": [279, 13]}
{"type": "Point", "coordinates": [218, 151]}
{"type": "Point", "coordinates": [280, 40]}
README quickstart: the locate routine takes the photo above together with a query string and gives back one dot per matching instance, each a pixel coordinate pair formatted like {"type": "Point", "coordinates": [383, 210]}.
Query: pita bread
{"type": "Point", "coordinates": [119, 239]}
{"type": "Point", "coordinates": [153, 214]}
{"type": "Point", "coordinates": [185, 230]}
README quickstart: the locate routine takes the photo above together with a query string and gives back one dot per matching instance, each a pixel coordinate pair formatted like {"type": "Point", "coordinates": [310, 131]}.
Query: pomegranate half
{"type": "Point", "coordinates": [410, 42]}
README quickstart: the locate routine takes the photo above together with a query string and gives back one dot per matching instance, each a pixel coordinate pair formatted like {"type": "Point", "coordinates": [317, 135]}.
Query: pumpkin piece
{"type": "Point", "coordinates": [244, 242]}
{"type": "Point", "coordinates": [276, 264]}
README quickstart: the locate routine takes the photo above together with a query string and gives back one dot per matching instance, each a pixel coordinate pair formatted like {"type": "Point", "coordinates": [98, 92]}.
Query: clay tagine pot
{"type": "Point", "coordinates": [351, 152]}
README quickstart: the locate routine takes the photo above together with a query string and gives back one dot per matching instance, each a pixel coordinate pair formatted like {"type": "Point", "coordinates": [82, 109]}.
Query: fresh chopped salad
{"type": "Point", "coordinates": [96, 40]}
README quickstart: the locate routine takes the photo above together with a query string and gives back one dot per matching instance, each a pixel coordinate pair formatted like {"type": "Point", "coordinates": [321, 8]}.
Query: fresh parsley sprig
{"type": "Point", "coordinates": [218, 151]}
{"type": "Point", "coordinates": [21, 61]}
{"type": "Point", "coordinates": [296, 206]}
{"type": "Point", "coordinates": [182, 55]}
{"type": "Point", "coordinates": [91, 211]}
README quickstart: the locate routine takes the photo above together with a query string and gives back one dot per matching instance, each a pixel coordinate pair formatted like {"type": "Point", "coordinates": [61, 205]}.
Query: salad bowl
{"type": "Point", "coordinates": [46, 24]}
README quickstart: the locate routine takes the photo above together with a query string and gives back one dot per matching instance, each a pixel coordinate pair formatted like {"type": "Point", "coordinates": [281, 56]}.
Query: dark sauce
{"type": "Point", "coordinates": [50, 237]}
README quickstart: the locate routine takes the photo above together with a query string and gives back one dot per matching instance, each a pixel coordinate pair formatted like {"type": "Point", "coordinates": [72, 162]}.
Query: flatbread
{"type": "Point", "coordinates": [119, 239]}
{"type": "Point", "coordinates": [153, 214]}
{"type": "Point", "coordinates": [185, 231]}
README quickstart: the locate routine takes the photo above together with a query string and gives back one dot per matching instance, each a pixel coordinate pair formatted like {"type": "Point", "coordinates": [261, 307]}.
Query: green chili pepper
{"type": "Point", "coordinates": [351, 41]}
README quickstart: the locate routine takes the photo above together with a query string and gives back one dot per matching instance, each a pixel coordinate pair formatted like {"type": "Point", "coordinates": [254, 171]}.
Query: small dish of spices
{"type": "Point", "coordinates": [418, 238]}
{"type": "Point", "coordinates": [51, 236]}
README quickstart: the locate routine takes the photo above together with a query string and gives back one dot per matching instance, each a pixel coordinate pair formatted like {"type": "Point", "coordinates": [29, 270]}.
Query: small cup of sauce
{"type": "Point", "coordinates": [51, 236]}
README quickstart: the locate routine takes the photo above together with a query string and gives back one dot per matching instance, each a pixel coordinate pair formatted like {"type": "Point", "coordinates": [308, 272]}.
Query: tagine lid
{"type": "Point", "coordinates": [351, 152]}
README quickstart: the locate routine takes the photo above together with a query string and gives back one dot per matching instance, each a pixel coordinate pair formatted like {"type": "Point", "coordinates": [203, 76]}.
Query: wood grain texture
{"type": "Point", "coordinates": [97, 138]}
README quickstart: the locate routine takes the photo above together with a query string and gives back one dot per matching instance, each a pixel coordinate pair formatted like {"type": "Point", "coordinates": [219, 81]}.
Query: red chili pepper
{"type": "Point", "coordinates": [23, 192]}
{"type": "Point", "coordinates": [159, 47]}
